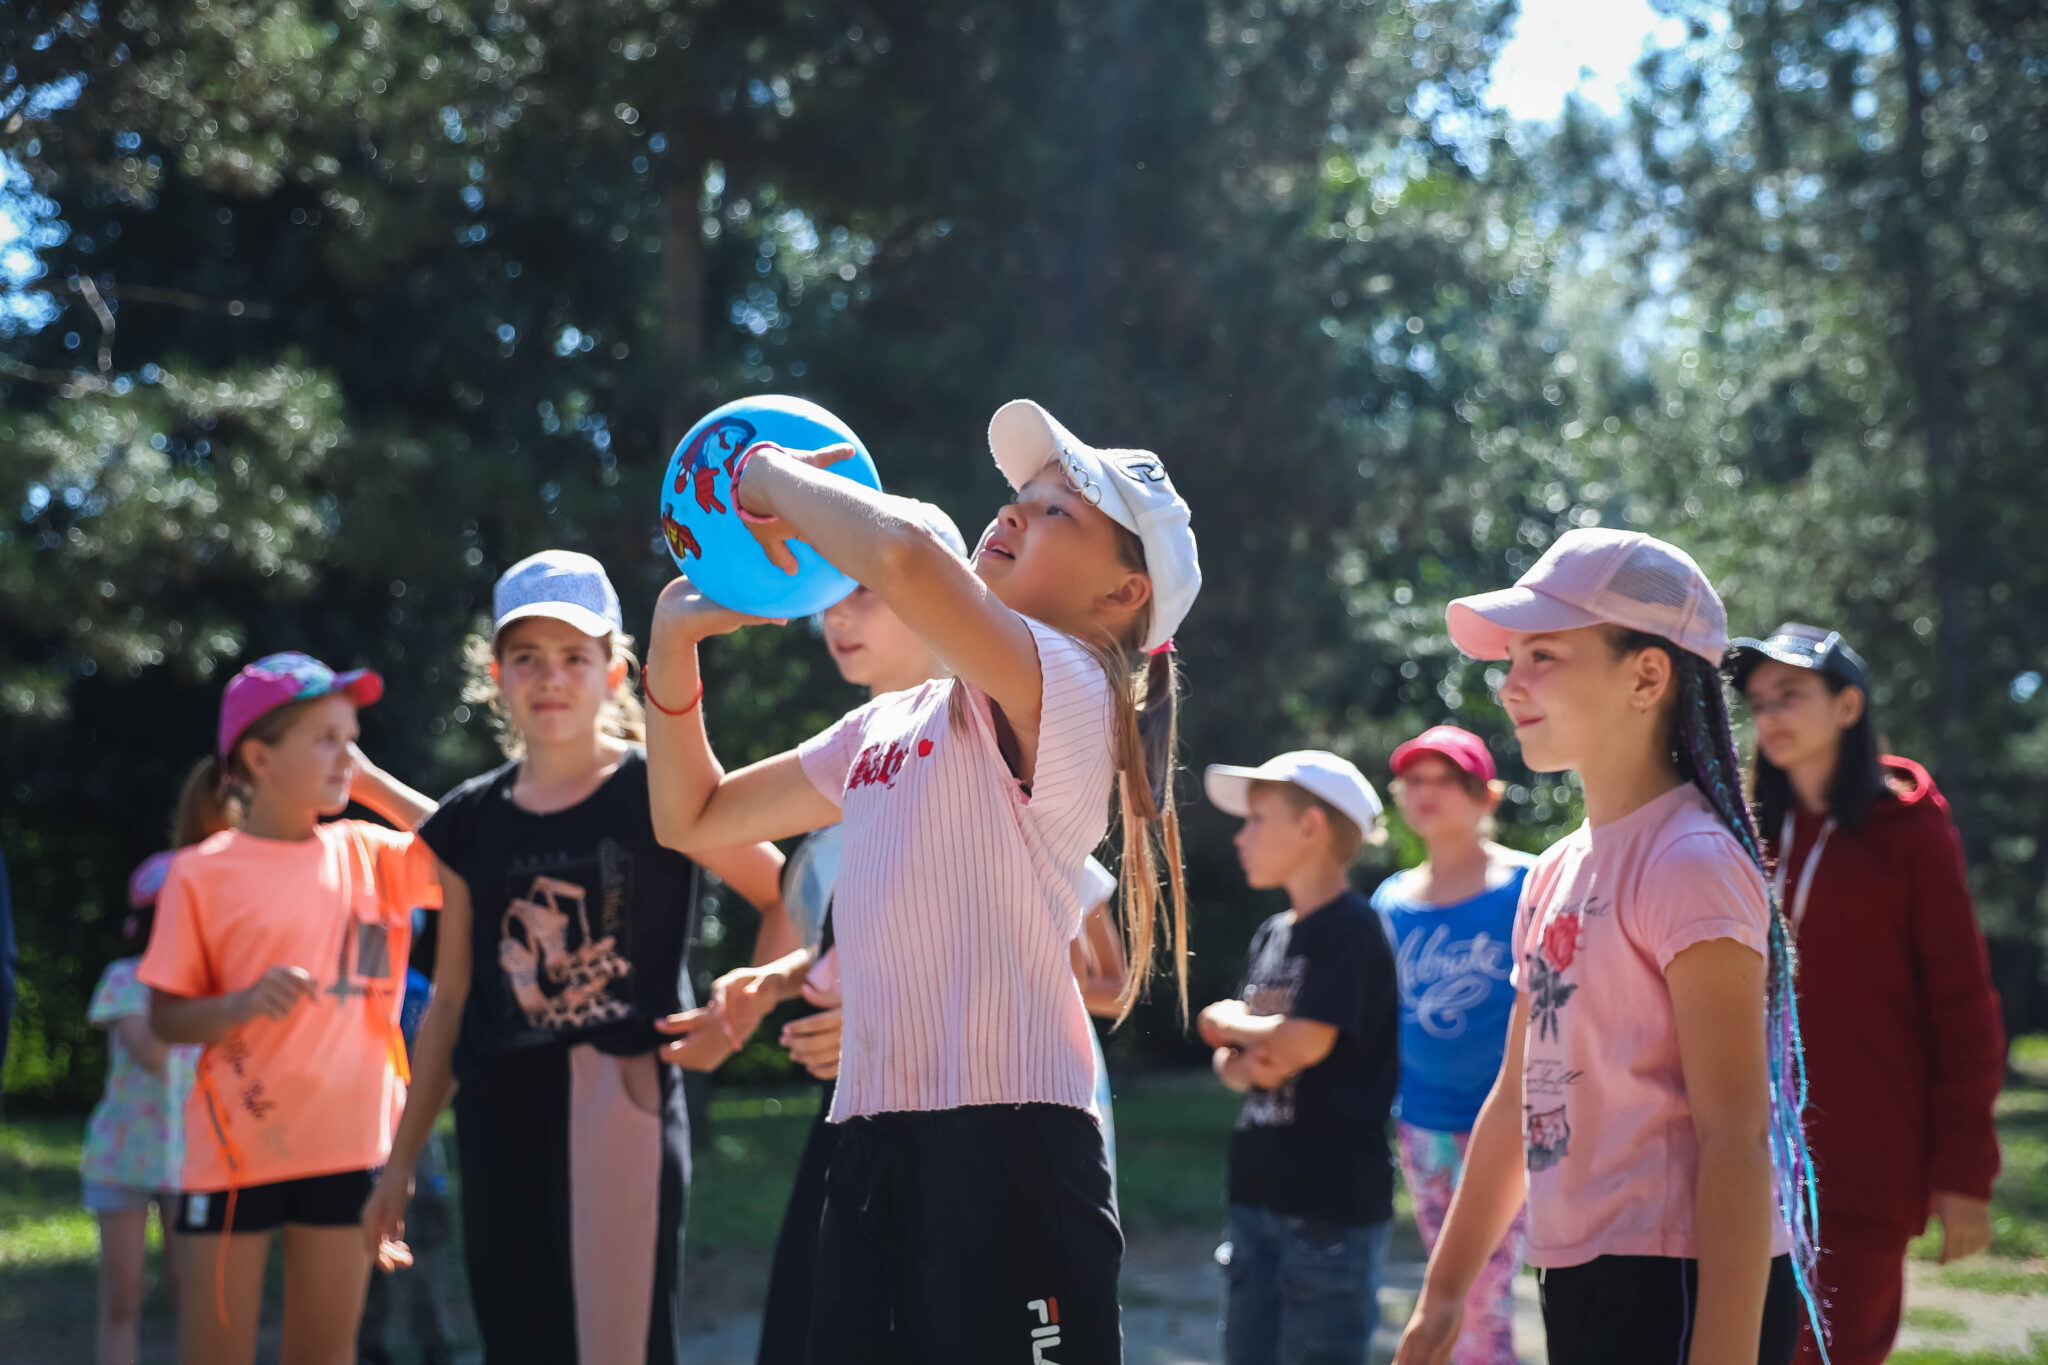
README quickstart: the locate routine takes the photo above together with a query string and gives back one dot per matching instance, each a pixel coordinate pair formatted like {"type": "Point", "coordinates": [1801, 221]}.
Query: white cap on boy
{"type": "Point", "coordinates": [1130, 485]}
{"type": "Point", "coordinates": [1316, 771]}
{"type": "Point", "coordinates": [934, 519]}
{"type": "Point", "coordinates": [1593, 576]}
{"type": "Point", "coordinates": [561, 584]}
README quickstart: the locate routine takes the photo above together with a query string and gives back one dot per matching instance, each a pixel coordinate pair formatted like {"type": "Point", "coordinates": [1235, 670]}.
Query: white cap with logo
{"type": "Point", "coordinates": [1316, 771]}
{"type": "Point", "coordinates": [1130, 485]}
{"type": "Point", "coordinates": [563, 585]}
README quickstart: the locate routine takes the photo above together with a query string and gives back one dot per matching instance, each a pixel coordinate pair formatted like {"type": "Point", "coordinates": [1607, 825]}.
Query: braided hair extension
{"type": "Point", "coordinates": [1703, 747]}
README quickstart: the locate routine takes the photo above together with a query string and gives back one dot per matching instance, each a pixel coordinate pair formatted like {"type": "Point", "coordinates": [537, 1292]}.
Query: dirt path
{"type": "Point", "coordinates": [1172, 1297]}
{"type": "Point", "coordinates": [1172, 1294]}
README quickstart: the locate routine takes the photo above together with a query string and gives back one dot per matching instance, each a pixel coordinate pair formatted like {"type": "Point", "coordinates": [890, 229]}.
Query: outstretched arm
{"type": "Point", "coordinates": [698, 807]}
{"type": "Point", "coordinates": [386, 795]}
{"type": "Point", "coordinates": [866, 535]}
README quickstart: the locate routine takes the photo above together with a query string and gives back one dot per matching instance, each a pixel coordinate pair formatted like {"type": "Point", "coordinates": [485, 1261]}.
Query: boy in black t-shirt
{"type": "Point", "coordinates": [1311, 1042]}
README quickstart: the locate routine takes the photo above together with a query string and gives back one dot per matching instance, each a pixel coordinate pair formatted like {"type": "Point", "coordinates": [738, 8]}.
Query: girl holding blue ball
{"type": "Point", "coordinates": [969, 1213]}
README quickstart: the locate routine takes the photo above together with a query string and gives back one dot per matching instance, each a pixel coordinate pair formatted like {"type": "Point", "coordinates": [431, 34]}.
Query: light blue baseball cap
{"type": "Point", "coordinates": [562, 584]}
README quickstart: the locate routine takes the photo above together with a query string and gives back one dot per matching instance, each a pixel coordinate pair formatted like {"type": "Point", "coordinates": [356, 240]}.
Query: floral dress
{"type": "Point", "coordinates": [136, 1136]}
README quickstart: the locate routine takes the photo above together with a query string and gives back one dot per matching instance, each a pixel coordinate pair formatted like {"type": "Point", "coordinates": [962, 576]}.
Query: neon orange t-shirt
{"type": "Point", "coordinates": [317, 1092]}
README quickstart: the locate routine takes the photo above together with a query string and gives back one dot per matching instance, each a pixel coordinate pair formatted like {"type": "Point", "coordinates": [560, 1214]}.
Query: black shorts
{"type": "Point", "coordinates": [1619, 1310]}
{"type": "Point", "coordinates": [314, 1201]}
{"type": "Point", "coordinates": [987, 1234]}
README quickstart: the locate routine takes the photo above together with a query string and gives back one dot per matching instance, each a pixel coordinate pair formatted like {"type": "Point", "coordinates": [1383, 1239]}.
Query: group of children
{"type": "Point", "coordinates": [1595, 1055]}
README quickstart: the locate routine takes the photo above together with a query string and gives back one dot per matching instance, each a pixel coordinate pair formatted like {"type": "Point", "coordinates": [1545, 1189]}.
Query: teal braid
{"type": "Point", "coordinates": [1704, 747]}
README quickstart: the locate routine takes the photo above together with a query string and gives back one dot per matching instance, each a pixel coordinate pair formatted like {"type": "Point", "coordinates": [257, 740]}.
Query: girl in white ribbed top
{"type": "Point", "coordinates": [968, 1212]}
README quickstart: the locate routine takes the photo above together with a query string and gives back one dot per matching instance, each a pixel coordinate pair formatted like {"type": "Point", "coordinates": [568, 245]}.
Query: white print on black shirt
{"type": "Point", "coordinates": [1270, 988]}
{"type": "Point", "coordinates": [1442, 980]}
{"type": "Point", "coordinates": [558, 985]}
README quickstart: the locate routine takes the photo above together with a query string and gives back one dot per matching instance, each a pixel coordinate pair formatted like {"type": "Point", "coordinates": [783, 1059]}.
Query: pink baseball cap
{"type": "Point", "coordinates": [1591, 577]}
{"type": "Point", "coordinates": [148, 879]}
{"type": "Point", "coordinates": [278, 679]}
{"type": "Point", "coordinates": [1461, 747]}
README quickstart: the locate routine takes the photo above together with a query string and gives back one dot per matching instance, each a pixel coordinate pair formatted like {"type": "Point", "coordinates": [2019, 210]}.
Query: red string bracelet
{"type": "Point", "coordinates": [647, 690]}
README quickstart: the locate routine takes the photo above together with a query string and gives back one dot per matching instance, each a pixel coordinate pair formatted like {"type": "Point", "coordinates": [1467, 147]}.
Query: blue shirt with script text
{"type": "Point", "coordinates": [1453, 962]}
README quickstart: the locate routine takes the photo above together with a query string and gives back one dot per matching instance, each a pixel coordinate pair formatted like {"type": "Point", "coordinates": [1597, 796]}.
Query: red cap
{"type": "Point", "coordinates": [1461, 747]}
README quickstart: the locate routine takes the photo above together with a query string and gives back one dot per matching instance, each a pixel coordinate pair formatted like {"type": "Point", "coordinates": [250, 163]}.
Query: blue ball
{"type": "Point", "coordinates": [700, 517]}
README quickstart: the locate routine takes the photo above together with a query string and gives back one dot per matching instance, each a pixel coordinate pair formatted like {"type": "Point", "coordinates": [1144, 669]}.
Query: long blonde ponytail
{"type": "Point", "coordinates": [1146, 734]}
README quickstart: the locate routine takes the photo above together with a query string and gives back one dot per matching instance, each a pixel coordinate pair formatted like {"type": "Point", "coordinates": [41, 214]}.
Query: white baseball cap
{"type": "Point", "coordinates": [1593, 576]}
{"type": "Point", "coordinates": [1130, 485]}
{"type": "Point", "coordinates": [1316, 771]}
{"type": "Point", "coordinates": [933, 518]}
{"type": "Point", "coordinates": [563, 585]}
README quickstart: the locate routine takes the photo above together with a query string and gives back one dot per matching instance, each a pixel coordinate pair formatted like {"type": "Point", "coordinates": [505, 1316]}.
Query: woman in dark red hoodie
{"type": "Point", "coordinates": [1904, 1048]}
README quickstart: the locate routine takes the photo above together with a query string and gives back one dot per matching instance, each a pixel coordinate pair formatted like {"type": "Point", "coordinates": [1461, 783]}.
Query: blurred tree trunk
{"type": "Point", "coordinates": [1927, 361]}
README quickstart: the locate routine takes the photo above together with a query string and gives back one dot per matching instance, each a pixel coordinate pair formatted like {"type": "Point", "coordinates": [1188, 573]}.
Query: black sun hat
{"type": "Point", "coordinates": [1798, 646]}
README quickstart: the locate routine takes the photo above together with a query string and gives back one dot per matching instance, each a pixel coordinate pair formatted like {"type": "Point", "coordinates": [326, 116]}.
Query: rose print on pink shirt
{"type": "Point", "coordinates": [1561, 940]}
{"type": "Point", "coordinates": [1548, 990]}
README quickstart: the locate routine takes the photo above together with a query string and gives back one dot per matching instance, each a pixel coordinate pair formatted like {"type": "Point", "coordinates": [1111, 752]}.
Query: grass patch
{"type": "Point", "coordinates": [2019, 1200]}
{"type": "Point", "coordinates": [41, 1221]}
{"type": "Point", "coordinates": [2035, 1354]}
{"type": "Point", "coordinates": [1172, 1146]}
{"type": "Point", "coordinates": [745, 1166]}
{"type": "Point", "coordinates": [1172, 1132]}
{"type": "Point", "coordinates": [1990, 1275]}
{"type": "Point", "coordinates": [1173, 1137]}
{"type": "Point", "coordinates": [1935, 1319]}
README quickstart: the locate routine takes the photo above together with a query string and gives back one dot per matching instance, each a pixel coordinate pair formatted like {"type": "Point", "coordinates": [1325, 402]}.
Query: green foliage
{"type": "Point", "coordinates": [1824, 231]}
{"type": "Point", "coordinates": [407, 290]}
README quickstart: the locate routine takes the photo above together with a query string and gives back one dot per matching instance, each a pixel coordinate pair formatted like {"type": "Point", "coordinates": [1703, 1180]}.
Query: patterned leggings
{"type": "Point", "coordinates": [1432, 1162]}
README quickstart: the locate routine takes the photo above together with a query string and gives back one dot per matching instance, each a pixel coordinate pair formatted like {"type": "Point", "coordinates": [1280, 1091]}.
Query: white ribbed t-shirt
{"type": "Point", "coordinates": [958, 892]}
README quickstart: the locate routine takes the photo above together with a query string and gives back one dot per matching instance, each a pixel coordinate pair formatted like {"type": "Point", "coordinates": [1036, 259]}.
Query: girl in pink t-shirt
{"type": "Point", "coordinates": [280, 944]}
{"type": "Point", "coordinates": [1652, 1080]}
{"type": "Point", "coordinates": [968, 1210]}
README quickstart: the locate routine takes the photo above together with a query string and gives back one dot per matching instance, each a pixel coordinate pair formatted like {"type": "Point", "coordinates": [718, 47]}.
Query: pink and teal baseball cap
{"type": "Point", "coordinates": [279, 679]}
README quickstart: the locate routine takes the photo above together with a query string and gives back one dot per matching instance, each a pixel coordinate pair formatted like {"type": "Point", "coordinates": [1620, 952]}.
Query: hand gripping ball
{"type": "Point", "coordinates": [700, 514]}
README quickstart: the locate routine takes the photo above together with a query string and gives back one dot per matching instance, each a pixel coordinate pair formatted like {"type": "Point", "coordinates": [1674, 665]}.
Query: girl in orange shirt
{"type": "Point", "coordinates": [281, 946]}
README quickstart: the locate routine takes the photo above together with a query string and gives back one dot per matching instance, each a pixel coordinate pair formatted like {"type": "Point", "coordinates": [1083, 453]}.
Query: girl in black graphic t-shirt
{"type": "Point", "coordinates": [563, 938]}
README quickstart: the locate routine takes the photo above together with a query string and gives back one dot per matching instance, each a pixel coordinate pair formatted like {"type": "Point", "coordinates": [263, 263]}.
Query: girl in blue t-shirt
{"type": "Point", "coordinates": [1450, 920]}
